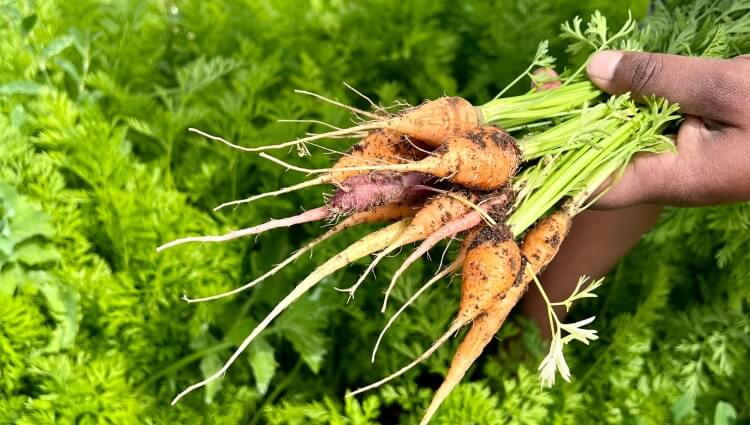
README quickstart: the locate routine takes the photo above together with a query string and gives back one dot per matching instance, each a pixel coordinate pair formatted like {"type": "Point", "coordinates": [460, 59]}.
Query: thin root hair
{"type": "Point", "coordinates": [341, 105]}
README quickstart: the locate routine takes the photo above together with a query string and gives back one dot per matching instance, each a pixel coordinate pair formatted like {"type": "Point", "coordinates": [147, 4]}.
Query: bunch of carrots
{"type": "Point", "coordinates": [508, 176]}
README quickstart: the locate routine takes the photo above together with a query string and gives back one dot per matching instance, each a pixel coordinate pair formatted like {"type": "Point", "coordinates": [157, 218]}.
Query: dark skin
{"type": "Point", "coordinates": [710, 167]}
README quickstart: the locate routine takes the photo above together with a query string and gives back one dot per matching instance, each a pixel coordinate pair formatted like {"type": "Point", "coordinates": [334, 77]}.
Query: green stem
{"type": "Point", "coordinates": [514, 82]}
{"type": "Point", "coordinates": [569, 175]}
{"type": "Point", "coordinates": [579, 172]}
{"type": "Point", "coordinates": [561, 137]}
{"type": "Point", "coordinates": [530, 107]}
{"type": "Point", "coordinates": [551, 315]}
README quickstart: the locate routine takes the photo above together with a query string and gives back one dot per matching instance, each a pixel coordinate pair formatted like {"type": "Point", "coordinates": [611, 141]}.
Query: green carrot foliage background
{"type": "Point", "coordinates": [97, 169]}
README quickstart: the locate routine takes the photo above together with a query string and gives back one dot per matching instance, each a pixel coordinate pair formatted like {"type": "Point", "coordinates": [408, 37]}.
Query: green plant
{"type": "Point", "coordinates": [92, 96]}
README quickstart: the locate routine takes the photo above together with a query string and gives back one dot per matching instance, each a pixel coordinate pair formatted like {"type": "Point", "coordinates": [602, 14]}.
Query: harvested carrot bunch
{"type": "Point", "coordinates": [508, 176]}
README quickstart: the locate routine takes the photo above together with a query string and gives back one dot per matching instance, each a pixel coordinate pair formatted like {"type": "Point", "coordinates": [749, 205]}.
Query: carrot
{"type": "Point", "coordinates": [484, 158]}
{"type": "Point", "coordinates": [431, 122]}
{"type": "Point", "coordinates": [491, 267]}
{"type": "Point", "coordinates": [392, 211]}
{"type": "Point", "coordinates": [484, 327]}
{"type": "Point", "coordinates": [373, 242]}
{"type": "Point", "coordinates": [379, 147]}
{"type": "Point", "coordinates": [496, 203]}
{"type": "Point", "coordinates": [434, 121]}
{"type": "Point", "coordinates": [539, 247]}
{"type": "Point", "coordinates": [541, 242]}
{"type": "Point", "coordinates": [436, 212]}
{"type": "Point", "coordinates": [362, 192]}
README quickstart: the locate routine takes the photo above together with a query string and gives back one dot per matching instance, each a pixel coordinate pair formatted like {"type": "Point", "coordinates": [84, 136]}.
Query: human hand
{"type": "Point", "coordinates": [712, 162]}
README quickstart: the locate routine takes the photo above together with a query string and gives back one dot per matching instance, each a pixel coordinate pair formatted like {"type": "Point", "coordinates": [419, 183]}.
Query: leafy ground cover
{"type": "Point", "coordinates": [97, 169]}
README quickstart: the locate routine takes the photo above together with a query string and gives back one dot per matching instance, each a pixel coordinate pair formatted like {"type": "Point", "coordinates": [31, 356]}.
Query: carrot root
{"type": "Point", "coordinates": [301, 141]}
{"type": "Point", "coordinates": [393, 211]}
{"type": "Point", "coordinates": [219, 139]}
{"type": "Point", "coordinates": [480, 334]}
{"type": "Point", "coordinates": [432, 122]}
{"type": "Point", "coordinates": [367, 245]}
{"type": "Point", "coordinates": [297, 254]}
{"type": "Point", "coordinates": [381, 255]}
{"type": "Point", "coordinates": [305, 184]}
{"type": "Point", "coordinates": [307, 216]}
{"type": "Point", "coordinates": [437, 344]}
{"type": "Point", "coordinates": [342, 105]}
{"type": "Point", "coordinates": [443, 273]}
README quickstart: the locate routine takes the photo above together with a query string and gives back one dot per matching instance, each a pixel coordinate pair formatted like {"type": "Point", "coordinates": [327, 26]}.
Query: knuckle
{"type": "Point", "coordinates": [643, 69]}
{"type": "Point", "coordinates": [692, 179]}
{"type": "Point", "coordinates": [723, 93]}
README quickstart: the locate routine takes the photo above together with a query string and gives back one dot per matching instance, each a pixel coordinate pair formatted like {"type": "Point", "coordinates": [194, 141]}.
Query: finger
{"type": "Point", "coordinates": [708, 168]}
{"type": "Point", "coordinates": [598, 239]}
{"type": "Point", "coordinates": [713, 88]}
{"type": "Point", "coordinates": [648, 177]}
{"type": "Point", "coordinates": [545, 79]}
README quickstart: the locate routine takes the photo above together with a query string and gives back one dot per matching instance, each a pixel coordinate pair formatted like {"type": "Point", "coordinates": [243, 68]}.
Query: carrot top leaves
{"type": "Point", "coordinates": [554, 362]}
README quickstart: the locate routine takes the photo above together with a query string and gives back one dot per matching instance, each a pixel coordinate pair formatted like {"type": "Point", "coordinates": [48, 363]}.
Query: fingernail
{"type": "Point", "coordinates": [602, 65]}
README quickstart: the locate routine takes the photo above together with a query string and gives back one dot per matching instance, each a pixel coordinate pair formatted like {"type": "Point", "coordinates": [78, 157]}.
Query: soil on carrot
{"type": "Point", "coordinates": [495, 234]}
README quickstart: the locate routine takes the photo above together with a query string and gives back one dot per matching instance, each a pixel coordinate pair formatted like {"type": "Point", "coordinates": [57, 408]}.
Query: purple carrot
{"type": "Point", "coordinates": [356, 194]}
{"type": "Point", "coordinates": [362, 192]}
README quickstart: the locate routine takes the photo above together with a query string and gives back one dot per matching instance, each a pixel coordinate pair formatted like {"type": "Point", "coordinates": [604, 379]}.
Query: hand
{"type": "Point", "coordinates": [711, 165]}
{"type": "Point", "coordinates": [712, 162]}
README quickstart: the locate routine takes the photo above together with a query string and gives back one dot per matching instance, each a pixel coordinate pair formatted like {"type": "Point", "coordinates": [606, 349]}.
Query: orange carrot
{"type": "Point", "coordinates": [490, 269]}
{"type": "Point", "coordinates": [484, 327]}
{"type": "Point", "coordinates": [484, 158]}
{"type": "Point", "coordinates": [436, 120]}
{"type": "Point", "coordinates": [494, 204]}
{"type": "Point", "coordinates": [541, 242]}
{"type": "Point", "coordinates": [379, 147]}
{"type": "Point", "coordinates": [431, 122]}
{"type": "Point", "coordinates": [539, 247]}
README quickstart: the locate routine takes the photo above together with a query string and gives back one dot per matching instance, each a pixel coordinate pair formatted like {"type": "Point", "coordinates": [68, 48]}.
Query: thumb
{"type": "Point", "coordinates": [710, 88]}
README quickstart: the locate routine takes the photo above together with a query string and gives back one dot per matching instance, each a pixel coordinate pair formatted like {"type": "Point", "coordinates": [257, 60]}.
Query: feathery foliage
{"type": "Point", "coordinates": [97, 169]}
